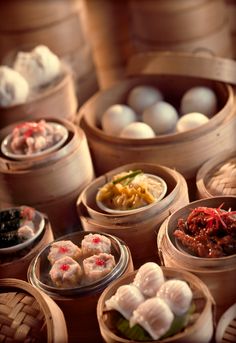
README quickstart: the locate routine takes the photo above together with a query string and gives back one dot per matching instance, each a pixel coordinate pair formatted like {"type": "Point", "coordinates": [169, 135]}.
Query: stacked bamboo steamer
{"type": "Point", "coordinates": [79, 303]}
{"type": "Point", "coordinates": [50, 183]}
{"type": "Point", "coordinates": [218, 176]}
{"type": "Point", "coordinates": [200, 331]}
{"type": "Point", "coordinates": [28, 315]}
{"type": "Point", "coordinates": [185, 151]}
{"type": "Point", "coordinates": [61, 26]}
{"type": "Point", "coordinates": [219, 274]}
{"type": "Point", "coordinates": [231, 11]}
{"type": "Point", "coordinates": [110, 38]}
{"type": "Point", "coordinates": [181, 26]}
{"type": "Point", "coordinates": [137, 229]}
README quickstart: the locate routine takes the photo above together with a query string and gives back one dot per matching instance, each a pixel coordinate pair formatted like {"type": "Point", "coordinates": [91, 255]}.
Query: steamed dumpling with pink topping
{"type": "Point", "coordinates": [95, 244]}
{"type": "Point", "coordinates": [63, 248]}
{"type": "Point", "coordinates": [149, 279]}
{"type": "Point", "coordinates": [154, 315]}
{"type": "Point", "coordinates": [177, 294]}
{"type": "Point", "coordinates": [98, 266]}
{"type": "Point", "coordinates": [126, 299]}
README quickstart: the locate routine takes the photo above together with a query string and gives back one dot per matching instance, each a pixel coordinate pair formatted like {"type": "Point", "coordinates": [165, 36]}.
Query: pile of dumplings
{"type": "Point", "coordinates": [147, 115]}
{"type": "Point", "coordinates": [30, 71]}
{"type": "Point", "coordinates": [151, 301]}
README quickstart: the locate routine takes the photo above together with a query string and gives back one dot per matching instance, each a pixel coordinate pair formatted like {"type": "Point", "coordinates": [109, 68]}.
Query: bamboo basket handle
{"type": "Point", "coordinates": [183, 64]}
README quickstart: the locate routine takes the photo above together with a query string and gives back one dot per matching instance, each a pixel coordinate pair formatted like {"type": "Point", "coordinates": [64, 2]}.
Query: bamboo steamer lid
{"type": "Point", "coordinates": [219, 274]}
{"type": "Point", "coordinates": [200, 331]}
{"type": "Point", "coordinates": [28, 315]}
{"type": "Point", "coordinates": [184, 151]}
{"type": "Point", "coordinates": [139, 229]}
{"type": "Point", "coordinates": [79, 303]}
{"type": "Point", "coordinates": [52, 177]}
{"type": "Point", "coordinates": [218, 176]}
{"type": "Point", "coordinates": [16, 265]}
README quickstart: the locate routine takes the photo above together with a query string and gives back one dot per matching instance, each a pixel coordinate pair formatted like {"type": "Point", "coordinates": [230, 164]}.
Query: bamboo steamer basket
{"type": "Point", "coordinates": [53, 177]}
{"type": "Point", "coordinates": [185, 151]}
{"type": "Point", "coordinates": [200, 331]}
{"type": "Point", "coordinates": [57, 100]}
{"type": "Point", "coordinates": [231, 11]}
{"type": "Point", "coordinates": [181, 26]}
{"type": "Point", "coordinates": [109, 34]}
{"type": "Point", "coordinates": [28, 315]}
{"type": "Point", "coordinates": [217, 176]}
{"type": "Point", "coordinates": [139, 229]}
{"type": "Point", "coordinates": [79, 304]}
{"type": "Point", "coordinates": [16, 266]}
{"type": "Point", "coordinates": [219, 274]}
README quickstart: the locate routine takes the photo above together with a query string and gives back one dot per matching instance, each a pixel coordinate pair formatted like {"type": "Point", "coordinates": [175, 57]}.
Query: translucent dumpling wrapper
{"type": "Point", "coordinates": [154, 315]}
{"type": "Point", "coordinates": [14, 89]}
{"type": "Point", "coordinates": [177, 294]}
{"type": "Point", "coordinates": [39, 66]}
{"type": "Point", "coordinates": [149, 279]}
{"type": "Point", "coordinates": [126, 299]}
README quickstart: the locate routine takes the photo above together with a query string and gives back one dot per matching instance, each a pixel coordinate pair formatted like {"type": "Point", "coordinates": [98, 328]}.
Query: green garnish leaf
{"type": "Point", "coordinates": [128, 176]}
{"type": "Point", "coordinates": [134, 333]}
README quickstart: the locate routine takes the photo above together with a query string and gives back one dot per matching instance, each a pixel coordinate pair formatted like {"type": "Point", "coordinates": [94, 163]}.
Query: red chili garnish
{"type": "Point", "coordinates": [99, 262]}
{"type": "Point", "coordinates": [63, 250]}
{"type": "Point", "coordinates": [65, 267]}
{"type": "Point", "coordinates": [96, 240]}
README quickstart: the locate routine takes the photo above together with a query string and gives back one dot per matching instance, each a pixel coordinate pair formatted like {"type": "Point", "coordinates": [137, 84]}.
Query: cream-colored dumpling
{"type": "Point", "coordinates": [191, 121]}
{"type": "Point", "coordinates": [39, 66]}
{"type": "Point", "coordinates": [14, 89]}
{"type": "Point", "coordinates": [162, 117]}
{"type": "Point", "coordinates": [137, 130]}
{"type": "Point", "coordinates": [116, 117]}
{"type": "Point", "coordinates": [94, 243]}
{"type": "Point", "coordinates": [126, 299]}
{"type": "Point", "coordinates": [98, 266]}
{"type": "Point", "coordinates": [63, 248]}
{"type": "Point", "coordinates": [141, 97]}
{"type": "Point", "coordinates": [199, 99]}
{"type": "Point", "coordinates": [149, 279]}
{"type": "Point", "coordinates": [154, 315]}
{"type": "Point", "coordinates": [177, 294]}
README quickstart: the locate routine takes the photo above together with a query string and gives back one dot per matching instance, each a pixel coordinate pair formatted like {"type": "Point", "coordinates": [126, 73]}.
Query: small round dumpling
{"type": "Point", "coordinates": [14, 89]}
{"type": "Point", "coordinates": [149, 279]}
{"type": "Point", "coordinates": [177, 294]}
{"type": "Point", "coordinates": [126, 299]}
{"type": "Point", "coordinates": [98, 266]}
{"type": "Point", "coordinates": [191, 121]}
{"type": "Point", "coordinates": [137, 130]}
{"type": "Point", "coordinates": [66, 273]}
{"type": "Point", "coordinates": [199, 99]}
{"type": "Point", "coordinates": [94, 243]}
{"type": "Point", "coordinates": [141, 97]}
{"type": "Point", "coordinates": [25, 232]}
{"type": "Point", "coordinates": [162, 117]}
{"type": "Point", "coordinates": [154, 315]}
{"type": "Point", "coordinates": [39, 66]}
{"type": "Point", "coordinates": [116, 117]}
{"type": "Point", "coordinates": [63, 248]}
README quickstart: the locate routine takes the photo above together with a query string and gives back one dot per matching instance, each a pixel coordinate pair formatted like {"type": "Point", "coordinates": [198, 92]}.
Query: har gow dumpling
{"type": "Point", "coordinates": [149, 278]}
{"type": "Point", "coordinates": [126, 299]}
{"type": "Point", "coordinates": [177, 294]}
{"type": "Point", "coordinates": [154, 315]}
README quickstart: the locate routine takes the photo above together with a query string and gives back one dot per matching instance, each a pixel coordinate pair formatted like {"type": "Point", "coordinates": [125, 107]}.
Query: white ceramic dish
{"type": "Point", "coordinates": [161, 196]}
{"type": "Point", "coordinates": [38, 227]}
{"type": "Point", "coordinates": [6, 150]}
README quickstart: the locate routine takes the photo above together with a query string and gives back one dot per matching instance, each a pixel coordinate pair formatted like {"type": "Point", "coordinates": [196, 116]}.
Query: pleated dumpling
{"type": "Point", "coordinates": [177, 294]}
{"type": "Point", "coordinates": [149, 278]}
{"type": "Point", "coordinates": [154, 315]}
{"type": "Point", "coordinates": [126, 299]}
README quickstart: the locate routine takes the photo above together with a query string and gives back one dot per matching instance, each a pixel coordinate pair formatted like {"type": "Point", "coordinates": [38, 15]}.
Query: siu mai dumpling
{"type": "Point", "coordinates": [154, 315]}
{"type": "Point", "coordinates": [126, 299]}
{"type": "Point", "coordinates": [97, 266]}
{"type": "Point", "coordinates": [95, 244]}
{"type": "Point", "coordinates": [149, 278]}
{"type": "Point", "coordinates": [63, 248]}
{"type": "Point", "coordinates": [177, 294]}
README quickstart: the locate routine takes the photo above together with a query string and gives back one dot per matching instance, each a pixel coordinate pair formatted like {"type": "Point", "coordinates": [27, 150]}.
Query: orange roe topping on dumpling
{"type": "Point", "coordinates": [65, 267]}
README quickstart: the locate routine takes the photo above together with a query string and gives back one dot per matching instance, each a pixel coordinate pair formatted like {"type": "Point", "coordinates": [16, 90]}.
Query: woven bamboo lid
{"type": "Point", "coordinates": [26, 315]}
{"type": "Point", "coordinates": [201, 64]}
